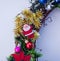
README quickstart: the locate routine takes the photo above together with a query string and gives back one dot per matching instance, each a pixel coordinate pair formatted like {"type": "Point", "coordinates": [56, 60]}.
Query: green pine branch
{"type": "Point", "coordinates": [10, 58]}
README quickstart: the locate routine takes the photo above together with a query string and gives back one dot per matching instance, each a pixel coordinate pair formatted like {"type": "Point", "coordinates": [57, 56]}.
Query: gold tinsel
{"type": "Point", "coordinates": [36, 35]}
{"type": "Point", "coordinates": [18, 28]}
{"type": "Point", "coordinates": [39, 14]}
{"type": "Point", "coordinates": [29, 18]}
{"type": "Point", "coordinates": [27, 13]}
{"type": "Point", "coordinates": [36, 21]}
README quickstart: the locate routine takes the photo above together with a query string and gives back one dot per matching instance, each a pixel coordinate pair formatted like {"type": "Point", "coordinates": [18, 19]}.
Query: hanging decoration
{"type": "Point", "coordinates": [29, 45]}
{"type": "Point", "coordinates": [27, 26]}
{"type": "Point", "coordinates": [17, 49]}
{"type": "Point", "coordinates": [43, 1]}
{"type": "Point", "coordinates": [57, 1]}
{"type": "Point", "coordinates": [27, 31]}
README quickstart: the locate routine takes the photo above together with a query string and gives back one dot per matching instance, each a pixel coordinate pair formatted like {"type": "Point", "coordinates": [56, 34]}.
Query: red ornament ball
{"type": "Point", "coordinates": [29, 45]}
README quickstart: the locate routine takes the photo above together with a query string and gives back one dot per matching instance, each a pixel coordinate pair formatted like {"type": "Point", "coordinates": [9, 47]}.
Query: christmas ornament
{"type": "Point", "coordinates": [29, 45]}
{"type": "Point", "coordinates": [27, 31]}
{"type": "Point", "coordinates": [57, 1]}
{"type": "Point", "coordinates": [43, 1]}
{"type": "Point", "coordinates": [49, 7]}
{"type": "Point", "coordinates": [17, 49]}
{"type": "Point", "coordinates": [21, 56]}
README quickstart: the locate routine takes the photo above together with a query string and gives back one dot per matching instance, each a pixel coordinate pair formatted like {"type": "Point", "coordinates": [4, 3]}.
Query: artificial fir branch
{"type": "Point", "coordinates": [10, 58]}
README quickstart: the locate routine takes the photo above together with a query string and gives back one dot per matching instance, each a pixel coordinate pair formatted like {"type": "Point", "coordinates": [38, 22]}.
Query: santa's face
{"type": "Point", "coordinates": [26, 27]}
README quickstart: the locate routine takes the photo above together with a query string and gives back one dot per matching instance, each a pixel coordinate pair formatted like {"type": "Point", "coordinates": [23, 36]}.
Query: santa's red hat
{"type": "Point", "coordinates": [27, 31]}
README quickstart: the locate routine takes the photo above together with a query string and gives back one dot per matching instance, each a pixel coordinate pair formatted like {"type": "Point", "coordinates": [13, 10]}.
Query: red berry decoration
{"type": "Point", "coordinates": [29, 45]}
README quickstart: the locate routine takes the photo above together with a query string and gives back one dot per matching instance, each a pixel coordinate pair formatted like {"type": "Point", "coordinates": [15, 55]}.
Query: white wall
{"type": "Point", "coordinates": [8, 10]}
{"type": "Point", "coordinates": [49, 40]}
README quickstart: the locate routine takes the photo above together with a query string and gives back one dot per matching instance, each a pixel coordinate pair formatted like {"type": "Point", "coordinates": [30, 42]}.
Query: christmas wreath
{"type": "Point", "coordinates": [28, 24]}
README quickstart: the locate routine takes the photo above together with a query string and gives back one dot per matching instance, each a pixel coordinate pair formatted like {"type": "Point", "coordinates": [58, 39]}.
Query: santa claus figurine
{"type": "Point", "coordinates": [28, 31]}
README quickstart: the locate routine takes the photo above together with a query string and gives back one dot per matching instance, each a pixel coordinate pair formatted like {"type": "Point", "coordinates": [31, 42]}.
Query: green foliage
{"type": "Point", "coordinates": [34, 53]}
{"type": "Point", "coordinates": [10, 58]}
{"type": "Point", "coordinates": [23, 45]}
{"type": "Point", "coordinates": [59, 5]}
